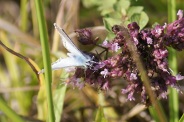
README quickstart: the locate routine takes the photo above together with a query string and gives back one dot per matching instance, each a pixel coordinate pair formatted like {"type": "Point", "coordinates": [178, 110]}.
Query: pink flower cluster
{"type": "Point", "coordinates": [151, 45]}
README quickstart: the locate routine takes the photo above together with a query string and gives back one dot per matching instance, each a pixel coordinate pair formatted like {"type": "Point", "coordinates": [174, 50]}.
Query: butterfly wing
{"type": "Point", "coordinates": [64, 63]}
{"type": "Point", "coordinates": [67, 42]}
{"type": "Point", "coordinates": [76, 57]}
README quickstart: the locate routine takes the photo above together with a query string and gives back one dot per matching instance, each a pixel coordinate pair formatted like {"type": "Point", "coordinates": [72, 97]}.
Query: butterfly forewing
{"type": "Point", "coordinates": [67, 42]}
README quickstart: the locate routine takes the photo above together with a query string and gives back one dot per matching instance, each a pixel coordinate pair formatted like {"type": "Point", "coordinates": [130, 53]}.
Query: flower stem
{"type": "Point", "coordinates": [173, 95]}
{"type": "Point", "coordinates": [144, 76]}
{"type": "Point", "coordinates": [46, 58]}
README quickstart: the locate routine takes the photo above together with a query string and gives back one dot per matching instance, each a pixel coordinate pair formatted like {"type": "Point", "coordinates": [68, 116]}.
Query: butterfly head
{"type": "Point", "coordinates": [92, 60]}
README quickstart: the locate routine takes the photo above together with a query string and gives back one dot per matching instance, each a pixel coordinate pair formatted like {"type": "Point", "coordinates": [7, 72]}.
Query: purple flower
{"type": "Point", "coordinates": [180, 14]}
{"type": "Point", "coordinates": [134, 31]}
{"type": "Point", "coordinates": [151, 45]}
{"type": "Point", "coordinates": [179, 77]}
{"type": "Point", "coordinates": [115, 47]}
{"type": "Point", "coordinates": [105, 72]}
{"type": "Point", "coordinates": [106, 86]}
{"type": "Point", "coordinates": [160, 53]}
{"type": "Point", "coordinates": [131, 97]}
{"type": "Point", "coordinates": [175, 33]}
{"type": "Point", "coordinates": [149, 40]}
{"type": "Point", "coordinates": [133, 76]}
{"type": "Point", "coordinates": [111, 46]}
{"type": "Point", "coordinates": [84, 36]}
{"type": "Point", "coordinates": [136, 42]}
{"type": "Point", "coordinates": [116, 72]}
{"type": "Point", "coordinates": [158, 31]}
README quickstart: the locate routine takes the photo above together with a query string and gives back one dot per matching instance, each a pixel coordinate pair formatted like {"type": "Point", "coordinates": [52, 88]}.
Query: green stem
{"type": "Point", "coordinates": [46, 57]}
{"type": "Point", "coordinates": [24, 15]}
{"type": "Point", "coordinates": [9, 112]}
{"type": "Point", "coordinates": [173, 94]}
{"type": "Point", "coordinates": [182, 118]}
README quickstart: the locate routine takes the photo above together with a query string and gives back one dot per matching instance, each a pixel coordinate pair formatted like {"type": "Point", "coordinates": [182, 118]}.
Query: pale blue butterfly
{"type": "Point", "coordinates": [75, 58]}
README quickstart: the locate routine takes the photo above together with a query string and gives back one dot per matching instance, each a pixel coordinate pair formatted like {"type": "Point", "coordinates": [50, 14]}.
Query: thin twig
{"type": "Point", "coordinates": [28, 60]}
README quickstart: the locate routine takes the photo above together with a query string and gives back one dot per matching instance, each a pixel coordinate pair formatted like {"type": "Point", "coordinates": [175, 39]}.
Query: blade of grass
{"type": "Point", "coordinates": [24, 15]}
{"type": "Point", "coordinates": [9, 112]}
{"type": "Point", "coordinates": [46, 58]}
{"type": "Point", "coordinates": [182, 118]}
{"type": "Point", "coordinates": [34, 19]}
{"type": "Point", "coordinates": [154, 113]}
{"type": "Point", "coordinates": [173, 94]}
{"type": "Point", "coordinates": [100, 117]}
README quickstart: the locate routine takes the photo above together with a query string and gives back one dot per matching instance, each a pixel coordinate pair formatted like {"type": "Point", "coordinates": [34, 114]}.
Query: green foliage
{"type": "Point", "coordinates": [141, 19]}
{"type": "Point", "coordinates": [59, 95]}
{"type": "Point", "coordinates": [100, 115]}
{"type": "Point", "coordinates": [182, 118]}
{"type": "Point", "coordinates": [46, 58]}
{"type": "Point", "coordinates": [116, 12]}
{"type": "Point", "coordinates": [109, 22]}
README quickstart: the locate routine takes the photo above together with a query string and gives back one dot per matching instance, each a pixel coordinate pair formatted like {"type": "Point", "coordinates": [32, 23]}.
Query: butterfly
{"type": "Point", "coordinates": [75, 58]}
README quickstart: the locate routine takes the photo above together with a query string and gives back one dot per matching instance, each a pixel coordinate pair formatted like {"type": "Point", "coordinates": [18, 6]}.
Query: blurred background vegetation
{"type": "Point", "coordinates": [19, 85]}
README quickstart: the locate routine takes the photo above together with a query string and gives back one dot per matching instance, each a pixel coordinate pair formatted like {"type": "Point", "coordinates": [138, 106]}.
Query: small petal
{"type": "Point", "coordinates": [158, 31]}
{"type": "Point", "coordinates": [105, 72]}
{"type": "Point", "coordinates": [165, 25]}
{"type": "Point", "coordinates": [149, 40]}
{"type": "Point", "coordinates": [180, 14]}
{"type": "Point", "coordinates": [163, 95]}
{"type": "Point", "coordinates": [133, 76]}
{"type": "Point", "coordinates": [105, 43]}
{"type": "Point", "coordinates": [115, 47]}
{"type": "Point", "coordinates": [179, 77]}
{"type": "Point", "coordinates": [130, 96]}
{"type": "Point", "coordinates": [136, 42]}
{"type": "Point", "coordinates": [106, 86]}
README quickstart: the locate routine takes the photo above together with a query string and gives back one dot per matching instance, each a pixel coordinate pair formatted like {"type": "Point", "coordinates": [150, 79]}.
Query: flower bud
{"type": "Point", "coordinates": [84, 36]}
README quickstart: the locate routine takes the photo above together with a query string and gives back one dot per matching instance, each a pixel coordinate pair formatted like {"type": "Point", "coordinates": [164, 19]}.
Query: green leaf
{"type": "Point", "coordinates": [153, 113]}
{"type": "Point", "coordinates": [110, 22]}
{"type": "Point", "coordinates": [155, 24]}
{"type": "Point", "coordinates": [135, 18]}
{"type": "Point", "coordinates": [107, 7]}
{"type": "Point", "coordinates": [107, 11]}
{"type": "Point", "coordinates": [125, 23]}
{"type": "Point", "coordinates": [110, 36]}
{"type": "Point", "coordinates": [108, 4]}
{"type": "Point", "coordinates": [89, 3]}
{"type": "Point", "coordinates": [121, 5]}
{"type": "Point", "coordinates": [143, 20]}
{"type": "Point", "coordinates": [100, 116]}
{"type": "Point", "coordinates": [114, 15]}
{"type": "Point", "coordinates": [59, 95]}
{"type": "Point", "coordinates": [134, 10]}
